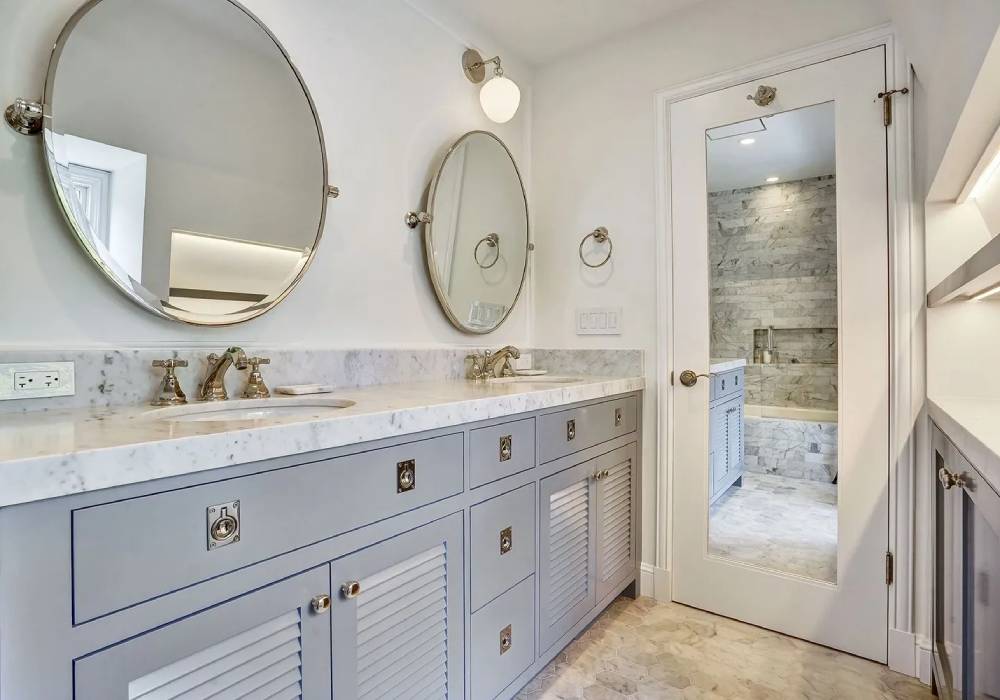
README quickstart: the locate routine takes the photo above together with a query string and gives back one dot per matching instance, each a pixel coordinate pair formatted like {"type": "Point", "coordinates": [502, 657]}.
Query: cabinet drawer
{"type": "Point", "coordinates": [157, 544]}
{"type": "Point", "coordinates": [501, 450]}
{"type": "Point", "coordinates": [503, 640]}
{"type": "Point", "coordinates": [503, 543]}
{"type": "Point", "coordinates": [727, 383]}
{"type": "Point", "coordinates": [565, 432]}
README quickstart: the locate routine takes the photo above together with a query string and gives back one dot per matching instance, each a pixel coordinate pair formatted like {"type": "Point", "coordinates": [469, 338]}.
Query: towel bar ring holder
{"type": "Point", "coordinates": [601, 235]}
{"type": "Point", "coordinates": [492, 240]}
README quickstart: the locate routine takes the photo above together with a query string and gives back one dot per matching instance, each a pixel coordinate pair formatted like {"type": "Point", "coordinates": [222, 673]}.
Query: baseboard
{"type": "Point", "coordinates": [910, 654]}
{"type": "Point", "coordinates": [654, 582]}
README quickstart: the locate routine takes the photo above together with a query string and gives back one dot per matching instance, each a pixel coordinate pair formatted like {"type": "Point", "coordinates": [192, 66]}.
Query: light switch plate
{"type": "Point", "coordinates": [605, 320]}
{"type": "Point", "coordinates": [36, 380]}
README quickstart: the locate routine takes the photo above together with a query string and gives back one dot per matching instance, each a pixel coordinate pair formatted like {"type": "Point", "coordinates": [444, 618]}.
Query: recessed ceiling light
{"type": "Point", "coordinates": [747, 142]}
{"type": "Point", "coordinates": [773, 178]}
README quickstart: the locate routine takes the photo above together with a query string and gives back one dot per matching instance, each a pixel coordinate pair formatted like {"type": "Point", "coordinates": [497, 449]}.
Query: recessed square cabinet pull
{"type": "Point", "coordinates": [506, 540]}
{"type": "Point", "coordinates": [506, 639]}
{"type": "Point", "coordinates": [406, 476]}
{"type": "Point", "coordinates": [223, 520]}
{"type": "Point", "coordinates": [618, 417]}
{"type": "Point", "coordinates": [570, 429]}
{"type": "Point", "coordinates": [506, 447]}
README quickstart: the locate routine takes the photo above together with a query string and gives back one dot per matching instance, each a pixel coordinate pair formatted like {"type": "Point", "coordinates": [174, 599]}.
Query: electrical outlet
{"type": "Point", "coordinates": [36, 380]}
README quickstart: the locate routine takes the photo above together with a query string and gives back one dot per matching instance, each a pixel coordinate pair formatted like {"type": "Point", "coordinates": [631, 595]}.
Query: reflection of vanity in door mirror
{"type": "Point", "coordinates": [476, 233]}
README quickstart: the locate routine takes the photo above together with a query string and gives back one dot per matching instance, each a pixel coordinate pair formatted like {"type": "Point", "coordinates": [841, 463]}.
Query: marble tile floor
{"type": "Point", "coordinates": [779, 523]}
{"type": "Point", "coordinates": [641, 650]}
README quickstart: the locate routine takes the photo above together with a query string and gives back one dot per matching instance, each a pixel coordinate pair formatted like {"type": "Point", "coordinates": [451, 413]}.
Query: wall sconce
{"type": "Point", "coordinates": [499, 96]}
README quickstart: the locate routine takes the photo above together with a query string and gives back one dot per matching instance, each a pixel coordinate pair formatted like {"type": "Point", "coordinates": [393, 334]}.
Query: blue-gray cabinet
{"type": "Point", "coordinates": [725, 432]}
{"type": "Point", "coordinates": [454, 563]}
{"type": "Point", "coordinates": [966, 621]}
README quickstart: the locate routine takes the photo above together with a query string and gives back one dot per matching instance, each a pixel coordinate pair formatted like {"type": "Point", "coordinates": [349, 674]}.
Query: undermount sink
{"type": "Point", "coordinates": [250, 410]}
{"type": "Point", "coordinates": [536, 380]}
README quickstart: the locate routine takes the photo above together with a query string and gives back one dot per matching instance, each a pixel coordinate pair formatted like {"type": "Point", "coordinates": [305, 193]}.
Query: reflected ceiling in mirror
{"type": "Point", "coordinates": [186, 154]}
{"type": "Point", "coordinates": [477, 243]}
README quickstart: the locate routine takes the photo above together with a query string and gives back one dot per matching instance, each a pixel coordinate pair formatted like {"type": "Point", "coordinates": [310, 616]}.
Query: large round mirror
{"type": "Point", "coordinates": [477, 241]}
{"type": "Point", "coordinates": [186, 155]}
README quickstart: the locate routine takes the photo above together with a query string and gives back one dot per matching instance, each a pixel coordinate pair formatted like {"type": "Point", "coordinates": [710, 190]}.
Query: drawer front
{"type": "Point", "coordinates": [503, 640]}
{"type": "Point", "coordinates": [501, 450]}
{"type": "Point", "coordinates": [160, 543]}
{"type": "Point", "coordinates": [566, 432]}
{"type": "Point", "coordinates": [503, 543]}
{"type": "Point", "coordinates": [727, 383]}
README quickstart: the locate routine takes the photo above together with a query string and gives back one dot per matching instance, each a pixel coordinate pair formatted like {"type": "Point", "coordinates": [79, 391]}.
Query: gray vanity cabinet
{"type": "Point", "coordinates": [267, 643]}
{"type": "Point", "coordinates": [586, 538]}
{"type": "Point", "coordinates": [725, 442]}
{"type": "Point", "coordinates": [398, 616]}
{"type": "Point", "coordinates": [966, 621]}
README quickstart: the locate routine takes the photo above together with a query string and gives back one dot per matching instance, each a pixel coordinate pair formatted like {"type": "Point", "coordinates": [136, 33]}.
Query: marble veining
{"type": "Point", "coordinates": [795, 449]}
{"type": "Point", "coordinates": [644, 650]}
{"type": "Point", "coordinates": [56, 453]}
{"type": "Point", "coordinates": [782, 524]}
{"type": "Point", "coordinates": [124, 377]}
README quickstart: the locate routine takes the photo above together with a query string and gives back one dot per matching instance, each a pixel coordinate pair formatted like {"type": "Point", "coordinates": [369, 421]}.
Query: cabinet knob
{"type": "Point", "coordinates": [351, 589]}
{"type": "Point", "coordinates": [506, 639]}
{"type": "Point", "coordinates": [601, 475]}
{"type": "Point", "coordinates": [321, 603]}
{"type": "Point", "coordinates": [949, 479]}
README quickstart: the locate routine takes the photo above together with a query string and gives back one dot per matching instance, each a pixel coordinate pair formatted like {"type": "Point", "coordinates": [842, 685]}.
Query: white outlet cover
{"type": "Point", "coordinates": [65, 370]}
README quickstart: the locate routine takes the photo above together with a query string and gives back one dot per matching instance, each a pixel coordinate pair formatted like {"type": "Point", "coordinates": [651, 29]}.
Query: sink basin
{"type": "Point", "coordinates": [537, 381]}
{"type": "Point", "coordinates": [250, 410]}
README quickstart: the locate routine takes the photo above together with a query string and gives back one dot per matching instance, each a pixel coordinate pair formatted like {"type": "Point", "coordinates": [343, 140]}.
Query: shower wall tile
{"type": "Point", "coordinates": [773, 251]}
{"type": "Point", "coordinates": [795, 449]}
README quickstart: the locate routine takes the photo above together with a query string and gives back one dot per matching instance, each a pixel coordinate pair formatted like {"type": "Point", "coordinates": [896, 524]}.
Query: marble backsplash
{"type": "Point", "coordinates": [108, 378]}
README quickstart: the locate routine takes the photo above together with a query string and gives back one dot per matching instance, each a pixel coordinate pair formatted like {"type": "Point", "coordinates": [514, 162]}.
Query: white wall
{"type": "Point", "coordinates": [391, 96]}
{"type": "Point", "coordinates": [594, 164]}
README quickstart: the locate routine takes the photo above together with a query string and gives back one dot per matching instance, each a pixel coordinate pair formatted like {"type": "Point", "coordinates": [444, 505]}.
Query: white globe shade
{"type": "Point", "coordinates": [500, 98]}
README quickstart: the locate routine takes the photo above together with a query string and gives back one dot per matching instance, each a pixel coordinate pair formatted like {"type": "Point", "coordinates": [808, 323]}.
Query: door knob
{"type": "Point", "coordinates": [690, 378]}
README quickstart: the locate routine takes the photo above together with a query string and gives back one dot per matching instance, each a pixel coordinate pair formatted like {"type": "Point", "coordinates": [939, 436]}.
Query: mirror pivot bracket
{"type": "Point", "coordinates": [24, 116]}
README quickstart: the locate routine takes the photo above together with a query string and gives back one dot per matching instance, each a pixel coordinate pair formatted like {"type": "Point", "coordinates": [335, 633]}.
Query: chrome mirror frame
{"type": "Point", "coordinates": [428, 223]}
{"type": "Point", "coordinates": [125, 284]}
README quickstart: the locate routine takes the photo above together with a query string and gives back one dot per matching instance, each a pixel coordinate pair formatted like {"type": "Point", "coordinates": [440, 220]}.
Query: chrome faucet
{"type": "Point", "coordinates": [214, 386]}
{"type": "Point", "coordinates": [497, 364]}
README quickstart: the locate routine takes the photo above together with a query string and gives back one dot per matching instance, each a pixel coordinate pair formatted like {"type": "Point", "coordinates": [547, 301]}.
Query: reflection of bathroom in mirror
{"type": "Point", "coordinates": [193, 169]}
{"type": "Point", "coordinates": [477, 243]}
{"type": "Point", "coordinates": [773, 256]}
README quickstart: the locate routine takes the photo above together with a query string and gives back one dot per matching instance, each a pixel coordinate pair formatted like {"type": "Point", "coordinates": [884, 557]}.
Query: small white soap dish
{"type": "Point", "coordinates": [299, 389]}
{"type": "Point", "coordinates": [531, 372]}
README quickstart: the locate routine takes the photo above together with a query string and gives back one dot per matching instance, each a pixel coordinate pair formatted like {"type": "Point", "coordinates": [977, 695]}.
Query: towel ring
{"type": "Point", "coordinates": [493, 241]}
{"type": "Point", "coordinates": [601, 235]}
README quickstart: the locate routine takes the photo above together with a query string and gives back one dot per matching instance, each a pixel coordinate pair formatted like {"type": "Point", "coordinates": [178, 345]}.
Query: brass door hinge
{"type": "Point", "coordinates": [889, 569]}
{"type": "Point", "coordinates": [886, 98]}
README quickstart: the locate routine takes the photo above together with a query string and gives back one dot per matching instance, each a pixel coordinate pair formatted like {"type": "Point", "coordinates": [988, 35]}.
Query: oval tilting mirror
{"type": "Point", "coordinates": [186, 154]}
{"type": "Point", "coordinates": [477, 243]}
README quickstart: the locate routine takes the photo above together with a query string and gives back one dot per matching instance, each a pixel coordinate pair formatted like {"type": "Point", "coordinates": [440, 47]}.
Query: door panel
{"type": "Point", "coordinates": [616, 513]}
{"type": "Point", "coordinates": [267, 643]}
{"type": "Point", "coordinates": [848, 610]}
{"type": "Point", "coordinates": [567, 533]}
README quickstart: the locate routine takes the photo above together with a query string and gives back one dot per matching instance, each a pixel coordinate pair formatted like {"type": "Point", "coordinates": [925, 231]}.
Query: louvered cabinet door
{"type": "Point", "coordinates": [398, 617]}
{"type": "Point", "coordinates": [567, 532]}
{"type": "Point", "coordinates": [265, 644]}
{"type": "Point", "coordinates": [616, 514]}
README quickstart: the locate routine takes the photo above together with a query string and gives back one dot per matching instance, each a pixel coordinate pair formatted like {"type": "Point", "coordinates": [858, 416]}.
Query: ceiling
{"type": "Point", "coordinates": [541, 30]}
{"type": "Point", "coordinates": [792, 146]}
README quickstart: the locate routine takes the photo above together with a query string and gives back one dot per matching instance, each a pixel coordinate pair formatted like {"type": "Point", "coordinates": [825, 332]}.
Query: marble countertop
{"type": "Point", "coordinates": [723, 365]}
{"type": "Point", "coordinates": [971, 423]}
{"type": "Point", "coordinates": [57, 453]}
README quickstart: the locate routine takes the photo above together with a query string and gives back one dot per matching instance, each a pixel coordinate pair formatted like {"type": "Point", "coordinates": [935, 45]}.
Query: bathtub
{"type": "Point", "coordinates": [817, 415]}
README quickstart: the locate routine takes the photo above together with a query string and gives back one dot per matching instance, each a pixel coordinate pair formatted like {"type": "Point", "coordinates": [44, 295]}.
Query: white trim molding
{"type": "Point", "coordinates": [906, 289]}
{"type": "Point", "coordinates": [654, 582]}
